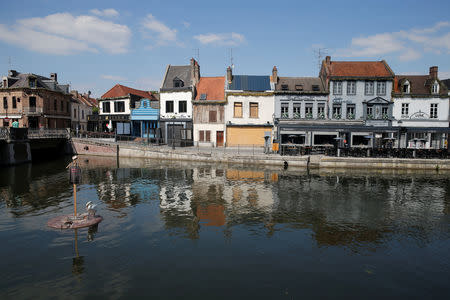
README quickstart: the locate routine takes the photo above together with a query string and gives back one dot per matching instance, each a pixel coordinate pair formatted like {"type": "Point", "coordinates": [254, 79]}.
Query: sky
{"type": "Point", "coordinates": [93, 45]}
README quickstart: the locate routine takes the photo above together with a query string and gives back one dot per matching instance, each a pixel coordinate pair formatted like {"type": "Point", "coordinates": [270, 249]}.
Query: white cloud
{"type": "Point", "coordinates": [65, 34]}
{"type": "Point", "coordinates": [109, 12]}
{"type": "Point", "coordinates": [221, 39]}
{"type": "Point", "coordinates": [158, 31]}
{"type": "Point", "coordinates": [406, 44]}
{"type": "Point", "coordinates": [113, 77]}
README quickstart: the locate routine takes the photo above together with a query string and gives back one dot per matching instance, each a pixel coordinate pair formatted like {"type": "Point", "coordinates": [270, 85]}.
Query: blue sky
{"type": "Point", "coordinates": [95, 44]}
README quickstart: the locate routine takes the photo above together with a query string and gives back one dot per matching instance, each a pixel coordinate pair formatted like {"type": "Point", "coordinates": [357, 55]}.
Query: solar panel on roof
{"type": "Point", "coordinates": [203, 97]}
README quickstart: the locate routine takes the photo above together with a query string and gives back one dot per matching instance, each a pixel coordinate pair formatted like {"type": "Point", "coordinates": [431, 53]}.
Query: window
{"type": "Point", "coordinates": [369, 112]}
{"type": "Point", "coordinates": [337, 111]}
{"type": "Point", "coordinates": [350, 111]}
{"type": "Point", "coordinates": [385, 112]}
{"type": "Point", "coordinates": [237, 110]}
{"type": "Point", "coordinates": [405, 88]}
{"type": "Point", "coordinates": [308, 110]}
{"type": "Point", "coordinates": [55, 107]}
{"type": "Point", "coordinates": [321, 111]}
{"type": "Point", "coordinates": [182, 106]}
{"type": "Point", "coordinates": [381, 88]}
{"type": "Point", "coordinates": [351, 87]}
{"type": "Point", "coordinates": [435, 89]}
{"type": "Point", "coordinates": [204, 135]}
{"type": "Point", "coordinates": [62, 105]}
{"type": "Point", "coordinates": [297, 108]}
{"type": "Point", "coordinates": [253, 110]}
{"type": "Point", "coordinates": [284, 87]}
{"type": "Point", "coordinates": [119, 106]}
{"type": "Point", "coordinates": [74, 112]}
{"type": "Point", "coordinates": [14, 104]}
{"type": "Point", "coordinates": [106, 107]}
{"type": "Point", "coordinates": [212, 116]}
{"type": "Point", "coordinates": [178, 83]}
{"type": "Point", "coordinates": [368, 88]}
{"type": "Point", "coordinates": [337, 88]}
{"type": "Point", "coordinates": [405, 109]}
{"type": "Point", "coordinates": [5, 103]}
{"type": "Point", "coordinates": [32, 83]}
{"type": "Point", "coordinates": [68, 108]}
{"type": "Point", "coordinates": [315, 88]}
{"type": "Point", "coordinates": [433, 110]}
{"type": "Point", "coordinates": [284, 110]}
{"type": "Point", "coordinates": [169, 106]}
{"type": "Point", "coordinates": [299, 87]}
{"type": "Point", "coordinates": [82, 114]}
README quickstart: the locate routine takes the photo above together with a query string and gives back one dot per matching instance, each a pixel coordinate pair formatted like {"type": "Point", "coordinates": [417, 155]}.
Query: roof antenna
{"type": "Point", "coordinates": [320, 53]}
{"type": "Point", "coordinates": [231, 58]}
{"type": "Point", "coordinates": [197, 54]}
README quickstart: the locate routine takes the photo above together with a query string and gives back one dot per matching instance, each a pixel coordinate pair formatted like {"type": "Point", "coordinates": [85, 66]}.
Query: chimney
{"type": "Point", "coordinates": [54, 77]}
{"type": "Point", "coordinates": [229, 75]}
{"type": "Point", "coordinates": [434, 72]}
{"type": "Point", "coordinates": [275, 75]}
{"type": "Point", "coordinates": [195, 71]}
{"type": "Point", "coordinates": [328, 60]}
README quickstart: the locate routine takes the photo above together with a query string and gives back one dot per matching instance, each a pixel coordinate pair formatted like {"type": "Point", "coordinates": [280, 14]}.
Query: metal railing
{"type": "Point", "coordinates": [47, 133]}
{"type": "Point", "coordinates": [32, 110]}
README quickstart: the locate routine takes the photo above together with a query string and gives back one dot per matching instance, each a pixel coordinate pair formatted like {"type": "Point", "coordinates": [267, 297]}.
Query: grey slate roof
{"type": "Point", "coordinates": [447, 83]}
{"type": "Point", "coordinates": [294, 84]}
{"type": "Point", "coordinates": [181, 72]}
{"type": "Point", "coordinates": [20, 80]}
{"type": "Point", "coordinates": [250, 83]}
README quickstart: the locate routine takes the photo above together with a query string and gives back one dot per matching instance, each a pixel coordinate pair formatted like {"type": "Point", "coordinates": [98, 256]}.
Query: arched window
{"type": "Point", "coordinates": [435, 88]}
{"type": "Point", "coordinates": [178, 83]}
{"type": "Point", "coordinates": [406, 88]}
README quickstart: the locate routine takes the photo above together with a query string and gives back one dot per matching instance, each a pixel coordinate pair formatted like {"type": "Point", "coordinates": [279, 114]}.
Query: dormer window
{"type": "Point", "coordinates": [178, 83]}
{"type": "Point", "coordinates": [406, 88]}
{"type": "Point", "coordinates": [203, 97]}
{"type": "Point", "coordinates": [435, 88]}
{"type": "Point", "coordinates": [284, 87]}
{"type": "Point", "coordinates": [299, 87]}
{"type": "Point", "coordinates": [32, 82]}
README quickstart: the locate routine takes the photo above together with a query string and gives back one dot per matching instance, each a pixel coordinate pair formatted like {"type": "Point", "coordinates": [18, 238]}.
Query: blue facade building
{"type": "Point", "coordinates": [145, 119]}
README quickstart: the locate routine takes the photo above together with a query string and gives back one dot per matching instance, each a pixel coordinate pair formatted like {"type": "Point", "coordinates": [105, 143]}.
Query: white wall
{"type": "Point", "coordinates": [112, 112]}
{"type": "Point", "coordinates": [211, 127]}
{"type": "Point", "coordinates": [266, 108]}
{"type": "Point", "coordinates": [423, 105]}
{"type": "Point", "coordinates": [176, 97]}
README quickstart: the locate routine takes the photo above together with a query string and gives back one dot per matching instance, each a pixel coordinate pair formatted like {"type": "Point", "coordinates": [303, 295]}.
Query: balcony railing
{"type": "Point", "coordinates": [32, 110]}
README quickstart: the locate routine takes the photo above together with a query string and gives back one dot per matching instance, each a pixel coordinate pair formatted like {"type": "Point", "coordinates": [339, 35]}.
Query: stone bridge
{"type": "Point", "coordinates": [18, 145]}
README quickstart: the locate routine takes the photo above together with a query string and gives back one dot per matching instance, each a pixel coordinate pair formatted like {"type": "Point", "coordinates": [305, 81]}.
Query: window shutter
{"type": "Point", "coordinates": [208, 136]}
{"type": "Point", "coordinates": [202, 135]}
{"type": "Point", "coordinates": [212, 116]}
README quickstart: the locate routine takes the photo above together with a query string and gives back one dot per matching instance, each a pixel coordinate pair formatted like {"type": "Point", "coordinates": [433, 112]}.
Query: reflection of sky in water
{"type": "Point", "coordinates": [266, 232]}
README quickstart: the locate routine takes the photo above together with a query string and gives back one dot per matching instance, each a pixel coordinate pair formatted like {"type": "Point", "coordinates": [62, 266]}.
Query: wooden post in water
{"type": "Point", "coordinates": [75, 200]}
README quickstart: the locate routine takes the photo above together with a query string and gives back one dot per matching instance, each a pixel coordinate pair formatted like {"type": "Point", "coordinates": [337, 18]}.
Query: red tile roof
{"type": "Point", "coordinates": [213, 87]}
{"type": "Point", "coordinates": [360, 69]}
{"type": "Point", "coordinates": [121, 91]}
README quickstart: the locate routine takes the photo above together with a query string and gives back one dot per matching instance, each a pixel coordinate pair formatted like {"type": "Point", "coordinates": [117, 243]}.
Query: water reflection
{"type": "Point", "coordinates": [229, 222]}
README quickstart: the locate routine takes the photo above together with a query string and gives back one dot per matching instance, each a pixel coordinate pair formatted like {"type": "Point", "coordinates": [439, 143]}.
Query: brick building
{"type": "Point", "coordinates": [34, 101]}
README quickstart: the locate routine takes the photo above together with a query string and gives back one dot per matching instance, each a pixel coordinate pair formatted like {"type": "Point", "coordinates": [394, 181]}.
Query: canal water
{"type": "Point", "coordinates": [201, 231]}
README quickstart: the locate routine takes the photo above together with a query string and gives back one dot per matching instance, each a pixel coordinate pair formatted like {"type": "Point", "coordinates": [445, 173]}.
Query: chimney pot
{"type": "Point", "coordinates": [328, 60]}
{"type": "Point", "coordinates": [54, 76]}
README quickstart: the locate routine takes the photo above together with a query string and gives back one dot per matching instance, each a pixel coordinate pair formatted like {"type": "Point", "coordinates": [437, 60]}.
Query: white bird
{"type": "Point", "coordinates": [90, 207]}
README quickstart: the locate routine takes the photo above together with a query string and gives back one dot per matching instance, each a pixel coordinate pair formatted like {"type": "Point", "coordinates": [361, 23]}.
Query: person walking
{"type": "Point", "coordinates": [15, 124]}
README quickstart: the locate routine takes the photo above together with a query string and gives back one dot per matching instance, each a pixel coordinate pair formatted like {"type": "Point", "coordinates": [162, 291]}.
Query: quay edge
{"type": "Point", "coordinates": [107, 148]}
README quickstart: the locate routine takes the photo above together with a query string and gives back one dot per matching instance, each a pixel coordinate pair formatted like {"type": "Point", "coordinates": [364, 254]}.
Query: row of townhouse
{"type": "Point", "coordinates": [358, 103]}
{"type": "Point", "coordinates": [37, 101]}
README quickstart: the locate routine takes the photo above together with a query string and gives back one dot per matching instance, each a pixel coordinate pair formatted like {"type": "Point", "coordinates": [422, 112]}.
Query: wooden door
{"type": "Point", "coordinates": [219, 139]}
